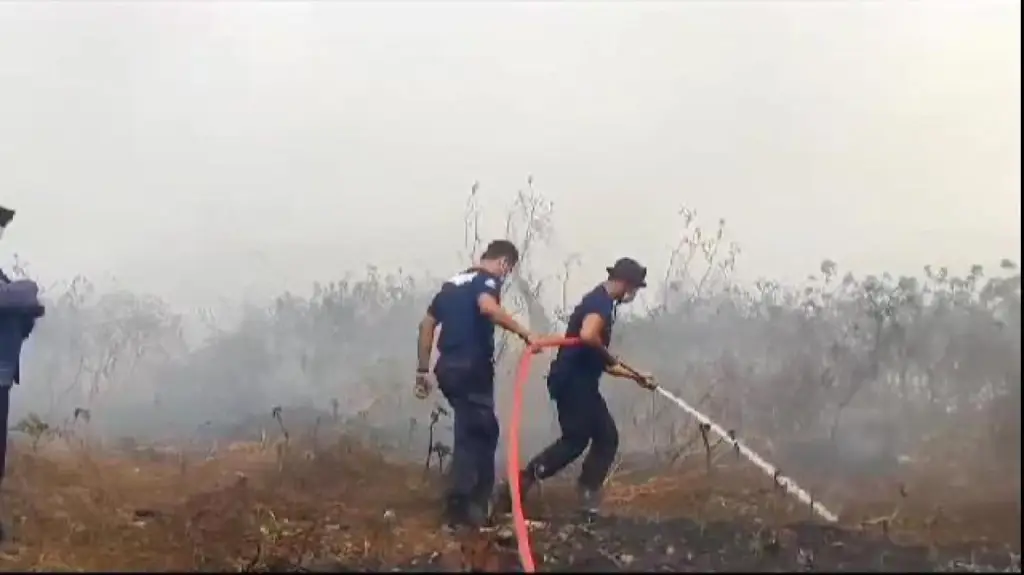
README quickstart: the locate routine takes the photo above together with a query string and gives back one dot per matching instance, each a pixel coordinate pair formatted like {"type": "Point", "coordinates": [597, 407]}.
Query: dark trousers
{"type": "Point", "coordinates": [585, 420]}
{"type": "Point", "coordinates": [469, 390]}
{"type": "Point", "coordinates": [5, 413]}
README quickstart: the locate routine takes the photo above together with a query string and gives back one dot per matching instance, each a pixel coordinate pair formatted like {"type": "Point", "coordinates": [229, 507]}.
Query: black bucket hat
{"type": "Point", "coordinates": [629, 271]}
{"type": "Point", "coordinates": [6, 216]}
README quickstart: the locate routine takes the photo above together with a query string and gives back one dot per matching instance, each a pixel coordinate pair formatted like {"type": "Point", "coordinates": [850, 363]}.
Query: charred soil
{"type": "Point", "coordinates": [260, 507]}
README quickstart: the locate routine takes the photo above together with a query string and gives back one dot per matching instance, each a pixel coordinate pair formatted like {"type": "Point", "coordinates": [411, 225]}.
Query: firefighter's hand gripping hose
{"type": "Point", "coordinates": [512, 464]}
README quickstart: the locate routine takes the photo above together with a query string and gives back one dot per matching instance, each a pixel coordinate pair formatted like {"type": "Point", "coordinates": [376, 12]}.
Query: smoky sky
{"type": "Point", "coordinates": [208, 150]}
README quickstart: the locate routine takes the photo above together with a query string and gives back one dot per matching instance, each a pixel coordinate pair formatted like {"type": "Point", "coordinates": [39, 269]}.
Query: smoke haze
{"type": "Point", "coordinates": [216, 155]}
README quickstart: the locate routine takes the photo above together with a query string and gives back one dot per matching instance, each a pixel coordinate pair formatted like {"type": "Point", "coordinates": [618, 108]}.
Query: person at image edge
{"type": "Point", "coordinates": [19, 310]}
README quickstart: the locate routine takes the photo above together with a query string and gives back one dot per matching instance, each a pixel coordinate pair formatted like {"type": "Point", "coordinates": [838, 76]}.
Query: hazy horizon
{"type": "Point", "coordinates": [208, 151]}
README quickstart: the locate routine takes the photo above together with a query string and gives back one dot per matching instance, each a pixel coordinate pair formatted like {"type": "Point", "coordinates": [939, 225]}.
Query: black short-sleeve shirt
{"type": "Point", "coordinates": [581, 362]}
{"type": "Point", "coordinates": [467, 336]}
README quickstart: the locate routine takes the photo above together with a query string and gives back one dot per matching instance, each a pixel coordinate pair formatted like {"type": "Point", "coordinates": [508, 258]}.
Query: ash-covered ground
{"type": "Point", "coordinates": [630, 544]}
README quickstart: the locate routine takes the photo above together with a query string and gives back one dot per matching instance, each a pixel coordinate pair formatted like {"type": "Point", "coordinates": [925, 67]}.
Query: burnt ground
{"type": "Point", "coordinates": [342, 508]}
{"type": "Point", "coordinates": [630, 544]}
{"type": "Point", "coordinates": [681, 524]}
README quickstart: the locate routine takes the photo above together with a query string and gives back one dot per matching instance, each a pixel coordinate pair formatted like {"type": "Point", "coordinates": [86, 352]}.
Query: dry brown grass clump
{"type": "Point", "coordinates": [245, 508]}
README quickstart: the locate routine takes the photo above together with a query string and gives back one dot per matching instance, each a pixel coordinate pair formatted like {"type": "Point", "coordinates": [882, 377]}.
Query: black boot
{"type": "Point", "coordinates": [589, 501]}
{"type": "Point", "coordinates": [480, 513]}
{"type": "Point", "coordinates": [503, 500]}
{"type": "Point", "coordinates": [457, 513]}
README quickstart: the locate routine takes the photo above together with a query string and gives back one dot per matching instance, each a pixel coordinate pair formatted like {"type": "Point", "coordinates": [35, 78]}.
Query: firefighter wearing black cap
{"type": "Point", "coordinates": [19, 309]}
{"type": "Point", "coordinates": [573, 385]}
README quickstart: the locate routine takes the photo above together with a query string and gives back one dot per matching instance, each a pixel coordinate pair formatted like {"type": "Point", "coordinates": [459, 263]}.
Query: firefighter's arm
{"type": "Point", "coordinates": [425, 341]}
{"type": "Point", "coordinates": [490, 307]}
{"type": "Point", "coordinates": [590, 335]}
{"type": "Point", "coordinates": [618, 370]}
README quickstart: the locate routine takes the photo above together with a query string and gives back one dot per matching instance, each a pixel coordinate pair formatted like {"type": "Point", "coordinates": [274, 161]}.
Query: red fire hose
{"type": "Point", "coordinates": [523, 374]}
{"type": "Point", "coordinates": [512, 465]}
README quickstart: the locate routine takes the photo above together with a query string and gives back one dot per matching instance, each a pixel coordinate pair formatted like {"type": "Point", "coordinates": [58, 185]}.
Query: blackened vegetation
{"type": "Point", "coordinates": [629, 544]}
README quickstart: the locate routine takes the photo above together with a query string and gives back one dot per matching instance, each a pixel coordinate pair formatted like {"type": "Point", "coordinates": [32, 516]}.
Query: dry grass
{"type": "Point", "coordinates": [76, 510]}
{"type": "Point", "coordinates": [254, 507]}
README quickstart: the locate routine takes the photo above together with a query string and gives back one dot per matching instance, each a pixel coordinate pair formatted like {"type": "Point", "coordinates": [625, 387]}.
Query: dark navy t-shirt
{"type": "Point", "coordinates": [585, 362]}
{"type": "Point", "coordinates": [467, 335]}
